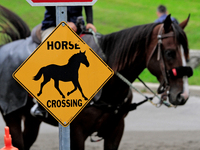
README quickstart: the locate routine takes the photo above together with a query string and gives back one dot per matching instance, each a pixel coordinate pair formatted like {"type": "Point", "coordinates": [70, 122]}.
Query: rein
{"type": "Point", "coordinates": [150, 99]}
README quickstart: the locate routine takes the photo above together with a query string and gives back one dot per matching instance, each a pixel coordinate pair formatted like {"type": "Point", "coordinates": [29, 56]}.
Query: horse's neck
{"type": "Point", "coordinates": [134, 65]}
{"type": "Point", "coordinates": [135, 69]}
{"type": "Point", "coordinates": [73, 64]}
{"type": "Point", "coordinates": [116, 90]}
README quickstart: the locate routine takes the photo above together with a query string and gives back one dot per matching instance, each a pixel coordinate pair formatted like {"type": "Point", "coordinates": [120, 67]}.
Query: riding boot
{"type": "Point", "coordinates": [38, 111]}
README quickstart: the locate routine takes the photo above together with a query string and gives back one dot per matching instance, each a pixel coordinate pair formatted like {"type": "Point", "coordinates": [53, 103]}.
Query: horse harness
{"type": "Point", "coordinates": [117, 108]}
{"type": "Point", "coordinates": [164, 87]}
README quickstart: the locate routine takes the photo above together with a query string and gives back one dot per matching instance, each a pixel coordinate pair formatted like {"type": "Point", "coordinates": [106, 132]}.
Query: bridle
{"type": "Point", "coordinates": [164, 86]}
{"type": "Point", "coordinates": [173, 73]}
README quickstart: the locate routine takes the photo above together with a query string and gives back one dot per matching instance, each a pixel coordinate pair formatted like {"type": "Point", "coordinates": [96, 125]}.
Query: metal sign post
{"type": "Point", "coordinates": [64, 132]}
{"type": "Point", "coordinates": [64, 137]}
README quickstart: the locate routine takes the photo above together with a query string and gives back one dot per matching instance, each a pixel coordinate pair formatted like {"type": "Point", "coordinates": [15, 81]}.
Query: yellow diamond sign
{"type": "Point", "coordinates": [63, 74]}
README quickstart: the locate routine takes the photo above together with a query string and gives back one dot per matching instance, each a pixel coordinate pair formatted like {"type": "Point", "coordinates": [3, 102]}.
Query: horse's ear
{"type": "Point", "coordinates": [167, 23]}
{"type": "Point", "coordinates": [184, 23]}
{"type": "Point", "coordinates": [84, 52]}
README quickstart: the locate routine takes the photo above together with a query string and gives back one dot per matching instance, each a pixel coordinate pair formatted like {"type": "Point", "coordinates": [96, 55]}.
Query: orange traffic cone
{"type": "Point", "coordinates": [8, 140]}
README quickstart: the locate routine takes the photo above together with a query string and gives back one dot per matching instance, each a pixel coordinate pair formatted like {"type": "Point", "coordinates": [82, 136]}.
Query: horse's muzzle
{"type": "Point", "coordinates": [178, 100]}
{"type": "Point", "coordinates": [181, 99]}
{"type": "Point", "coordinates": [175, 97]}
{"type": "Point", "coordinates": [87, 64]}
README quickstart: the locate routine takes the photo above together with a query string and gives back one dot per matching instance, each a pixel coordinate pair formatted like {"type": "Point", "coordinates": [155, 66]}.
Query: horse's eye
{"type": "Point", "coordinates": [170, 54]}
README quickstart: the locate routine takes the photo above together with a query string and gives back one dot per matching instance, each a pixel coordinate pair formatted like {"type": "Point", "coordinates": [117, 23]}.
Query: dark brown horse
{"type": "Point", "coordinates": [162, 48]}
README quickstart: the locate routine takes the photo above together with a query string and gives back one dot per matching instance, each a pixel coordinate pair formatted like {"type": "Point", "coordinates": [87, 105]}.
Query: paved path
{"type": "Point", "coordinates": [146, 128]}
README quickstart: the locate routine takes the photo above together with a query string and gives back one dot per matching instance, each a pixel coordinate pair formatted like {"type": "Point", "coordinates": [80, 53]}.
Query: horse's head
{"type": "Point", "coordinates": [166, 59]}
{"type": "Point", "coordinates": [83, 59]}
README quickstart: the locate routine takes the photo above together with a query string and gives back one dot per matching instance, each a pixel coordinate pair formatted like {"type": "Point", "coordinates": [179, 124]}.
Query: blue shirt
{"type": "Point", "coordinates": [162, 18]}
{"type": "Point", "coordinates": [50, 15]}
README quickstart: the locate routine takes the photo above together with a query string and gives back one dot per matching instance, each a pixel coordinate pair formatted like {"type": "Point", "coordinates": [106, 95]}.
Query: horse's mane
{"type": "Point", "coordinates": [181, 39]}
{"type": "Point", "coordinates": [73, 57]}
{"type": "Point", "coordinates": [12, 27]}
{"type": "Point", "coordinates": [122, 48]}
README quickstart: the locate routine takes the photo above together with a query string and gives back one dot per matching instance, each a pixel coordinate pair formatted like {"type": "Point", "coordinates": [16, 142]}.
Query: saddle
{"type": "Point", "coordinates": [12, 95]}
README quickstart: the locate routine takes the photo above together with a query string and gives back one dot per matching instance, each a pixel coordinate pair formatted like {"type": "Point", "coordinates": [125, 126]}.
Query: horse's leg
{"type": "Point", "coordinates": [115, 128]}
{"type": "Point", "coordinates": [76, 84]}
{"type": "Point", "coordinates": [75, 87]}
{"type": "Point", "coordinates": [114, 135]}
{"type": "Point", "coordinates": [56, 84]}
{"type": "Point", "coordinates": [80, 89]}
{"type": "Point", "coordinates": [31, 129]}
{"type": "Point", "coordinates": [78, 135]}
{"type": "Point", "coordinates": [46, 79]}
{"type": "Point", "coordinates": [31, 126]}
{"type": "Point", "coordinates": [84, 125]}
{"type": "Point", "coordinates": [13, 121]}
{"type": "Point", "coordinates": [77, 141]}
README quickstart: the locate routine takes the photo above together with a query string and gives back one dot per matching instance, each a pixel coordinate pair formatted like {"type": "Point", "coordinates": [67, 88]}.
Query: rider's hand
{"type": "Point", "coordinates": [89, 25]}
{"type": "Point", "coordinates": [72, 25]}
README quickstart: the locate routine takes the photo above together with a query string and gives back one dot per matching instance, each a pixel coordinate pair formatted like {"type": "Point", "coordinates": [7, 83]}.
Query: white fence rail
{"type": "Point", "coordinates": [194, 60]}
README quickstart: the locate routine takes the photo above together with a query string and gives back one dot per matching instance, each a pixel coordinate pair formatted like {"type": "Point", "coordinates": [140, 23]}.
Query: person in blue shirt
{"type": "Point", "coordinates": [162, 14]}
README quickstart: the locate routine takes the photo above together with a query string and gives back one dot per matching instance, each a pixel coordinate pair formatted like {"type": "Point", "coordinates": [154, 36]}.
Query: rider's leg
{"type": "Point", "coordinates": [45, 33]}
{"type": "Point", "coordinates": [38, 111]}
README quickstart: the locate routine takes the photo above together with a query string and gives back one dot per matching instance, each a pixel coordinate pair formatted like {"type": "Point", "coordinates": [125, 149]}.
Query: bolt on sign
{"type": "Point", "coordinates": [63, 74]}
{"type": "Point", "coordinates": [61, 2]}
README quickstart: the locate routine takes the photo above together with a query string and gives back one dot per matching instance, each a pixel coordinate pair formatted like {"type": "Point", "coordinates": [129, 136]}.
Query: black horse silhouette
{"type": "Point", "coordinates": [68, 72]}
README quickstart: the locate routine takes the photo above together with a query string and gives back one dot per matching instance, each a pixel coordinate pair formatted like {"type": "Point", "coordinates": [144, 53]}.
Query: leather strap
{"type": "Point", "coordinates": [160, 58]}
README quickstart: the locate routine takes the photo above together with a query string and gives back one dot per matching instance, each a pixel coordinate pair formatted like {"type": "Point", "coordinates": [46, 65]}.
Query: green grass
{"type": "Point", "coordinates": [31, 15]}
{"type": "Point", "coordinates": [115, 15]}
{"type": "Point", "coordinates": [194, 80]}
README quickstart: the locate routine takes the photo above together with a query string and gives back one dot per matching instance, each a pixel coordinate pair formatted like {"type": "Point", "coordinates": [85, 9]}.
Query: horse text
{"type": "Point", "coordinates": [64, 103]}
{"type": "Point", "coordinates": [57, 45]}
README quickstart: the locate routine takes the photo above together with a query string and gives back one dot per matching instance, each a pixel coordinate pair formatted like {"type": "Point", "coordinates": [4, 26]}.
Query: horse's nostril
{"type": "Point", "coordinates": [181, 99]}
